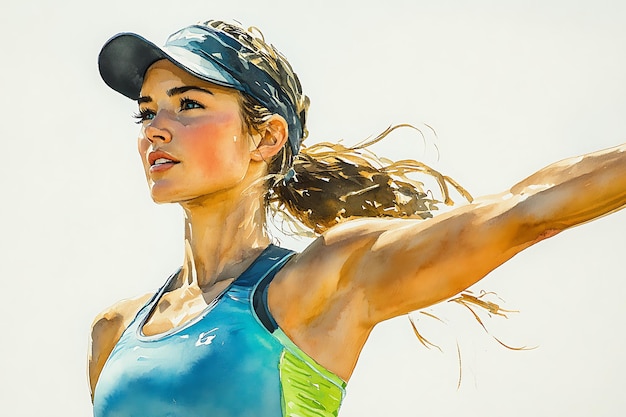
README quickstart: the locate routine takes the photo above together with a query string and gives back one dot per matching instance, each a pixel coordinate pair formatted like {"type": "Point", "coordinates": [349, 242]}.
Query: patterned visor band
{"type": "Point", "coordinates": [211, 55]}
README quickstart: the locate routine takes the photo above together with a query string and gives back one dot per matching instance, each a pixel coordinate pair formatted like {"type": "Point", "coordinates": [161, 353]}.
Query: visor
{"type": "Point", "coordinates": [211, 55]}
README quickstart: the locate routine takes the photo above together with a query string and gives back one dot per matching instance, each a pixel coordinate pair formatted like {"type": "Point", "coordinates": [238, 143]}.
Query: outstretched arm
{"type": "Point", "coordinates": [435, 260]}
{"type": "Point", "coordinates": [398, 266]}
{"type": "Point", "coordinates": [432, 261]}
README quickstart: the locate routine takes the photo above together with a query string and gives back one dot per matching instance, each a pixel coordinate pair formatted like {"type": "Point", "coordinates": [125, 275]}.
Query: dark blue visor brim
{"type": "Point", "coordinates": [125, 59]}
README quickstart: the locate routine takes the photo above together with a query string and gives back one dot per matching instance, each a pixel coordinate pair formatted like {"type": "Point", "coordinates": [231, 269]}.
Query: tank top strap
{"type": "Point", "coordinates": [273, 260]}
{"type": "Point", "coordinates": [148, 306]}
{"type": "Point", "coordinates": [264, 267]}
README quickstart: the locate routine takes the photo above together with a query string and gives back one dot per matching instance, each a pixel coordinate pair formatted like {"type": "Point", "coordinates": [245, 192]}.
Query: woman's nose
{"type": "Point", "coordinates": [158, 130]}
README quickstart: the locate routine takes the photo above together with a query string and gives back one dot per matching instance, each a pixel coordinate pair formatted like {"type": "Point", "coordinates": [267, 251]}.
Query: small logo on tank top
{"type": "Point", "coordinates": [205, 338]}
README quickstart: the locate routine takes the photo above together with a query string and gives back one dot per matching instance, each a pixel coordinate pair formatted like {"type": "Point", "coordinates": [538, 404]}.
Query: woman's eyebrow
{"type": "Point", "coordinates": [144, 99]}
{"type": "Point", "coordinates": [175, 91]}
{"type": "Point", "coordinates": [180, 90]}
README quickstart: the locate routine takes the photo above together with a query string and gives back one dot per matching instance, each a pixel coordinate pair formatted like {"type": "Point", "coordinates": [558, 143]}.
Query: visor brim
{"type": "Point", "coordinates": [126, 57]}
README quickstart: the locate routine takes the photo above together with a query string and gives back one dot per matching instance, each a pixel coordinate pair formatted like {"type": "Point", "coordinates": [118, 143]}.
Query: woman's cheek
{"type": "Point", "coordinates": [217, 147]}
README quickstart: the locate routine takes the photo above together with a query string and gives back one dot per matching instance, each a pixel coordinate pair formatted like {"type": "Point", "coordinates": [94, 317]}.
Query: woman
{"type": "Point", "coordinates": [245, 327]}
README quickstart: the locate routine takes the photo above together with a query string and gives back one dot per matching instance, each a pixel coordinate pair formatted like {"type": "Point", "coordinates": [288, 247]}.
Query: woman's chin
{"type": "Point", "coordinates": [161, 196]}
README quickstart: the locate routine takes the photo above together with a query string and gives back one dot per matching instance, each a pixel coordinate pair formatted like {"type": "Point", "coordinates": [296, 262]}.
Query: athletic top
{"type": "Point", "coordinates": [232, 360]}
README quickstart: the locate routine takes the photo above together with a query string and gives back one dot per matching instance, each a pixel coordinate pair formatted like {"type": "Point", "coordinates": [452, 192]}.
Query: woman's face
{"type": "Point", "coordinates": [193, 142]}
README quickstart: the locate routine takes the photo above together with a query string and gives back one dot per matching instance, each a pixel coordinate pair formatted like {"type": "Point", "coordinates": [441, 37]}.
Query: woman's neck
{"type": "Point", "coordinates": [223, 235]}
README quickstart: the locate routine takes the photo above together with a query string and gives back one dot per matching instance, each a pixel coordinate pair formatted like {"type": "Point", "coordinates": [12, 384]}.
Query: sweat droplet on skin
{"type": "Point", "coordinates": [234, 138]}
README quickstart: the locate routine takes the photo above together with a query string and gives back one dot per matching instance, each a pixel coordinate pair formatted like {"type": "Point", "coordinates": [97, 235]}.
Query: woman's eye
{"type": "Point", "coordinates": [189, 104]}
{"type": "Point", "coordinates": [144, 115]}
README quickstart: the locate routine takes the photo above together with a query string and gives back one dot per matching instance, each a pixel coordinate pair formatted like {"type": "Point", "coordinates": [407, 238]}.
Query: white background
{"type": "Point", "coordinates": [508, 86]}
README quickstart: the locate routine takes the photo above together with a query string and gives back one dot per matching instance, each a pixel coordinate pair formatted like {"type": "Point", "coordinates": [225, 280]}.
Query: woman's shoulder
{"type": "Point", "coordinates": [122, 312]}
{"type": "Point", "coordinates": [106, 330]}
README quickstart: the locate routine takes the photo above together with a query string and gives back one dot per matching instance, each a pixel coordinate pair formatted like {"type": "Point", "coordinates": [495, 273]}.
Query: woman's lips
{"type": "Point", "coordinates": [162, 164]}
{"type": "Point", "coordinates": [161, 161]}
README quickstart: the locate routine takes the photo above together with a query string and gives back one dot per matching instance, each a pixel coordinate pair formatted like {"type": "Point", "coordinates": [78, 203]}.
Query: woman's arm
{"type": "Point", "coordinates": [397, 266]}
{"type": "Point", "coordinates": [413, 266]}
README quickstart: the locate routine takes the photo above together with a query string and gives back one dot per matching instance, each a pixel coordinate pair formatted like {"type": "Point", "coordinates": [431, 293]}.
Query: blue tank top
{"type": "Point", "coordinates": [232, 360]}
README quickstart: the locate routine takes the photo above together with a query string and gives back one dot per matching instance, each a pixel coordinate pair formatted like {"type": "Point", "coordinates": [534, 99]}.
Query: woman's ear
{"type": "Point", "coordinates": [273, 136]}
